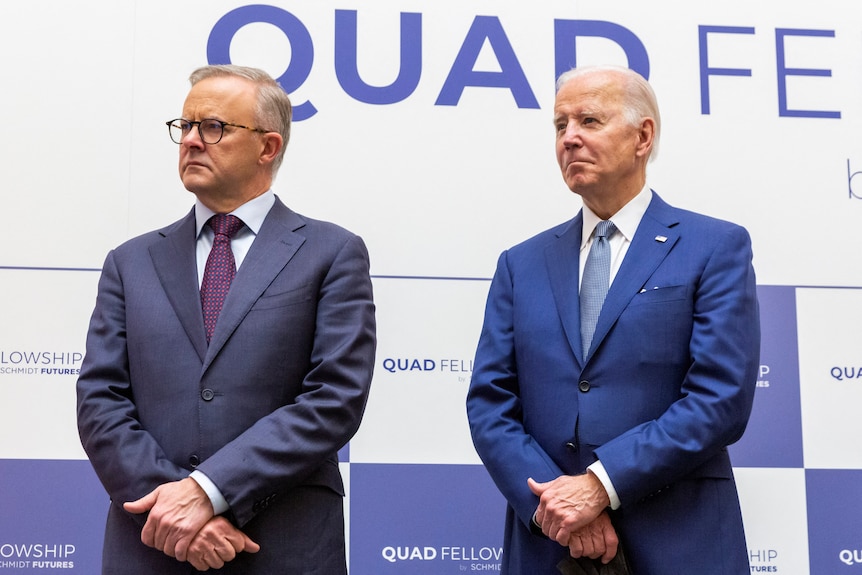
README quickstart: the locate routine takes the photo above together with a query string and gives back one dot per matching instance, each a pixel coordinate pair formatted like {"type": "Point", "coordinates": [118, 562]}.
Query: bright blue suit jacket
{"type": "Point", "coordinates": [666, 387]}
{"type": "Point", "coordinates": [262, 410]}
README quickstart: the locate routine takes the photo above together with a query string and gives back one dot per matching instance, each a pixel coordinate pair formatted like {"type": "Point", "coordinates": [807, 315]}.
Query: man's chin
{"type": "Point", "coordinates": [577, 182]}
{"type": "Point", "coordinates": [195, 184]}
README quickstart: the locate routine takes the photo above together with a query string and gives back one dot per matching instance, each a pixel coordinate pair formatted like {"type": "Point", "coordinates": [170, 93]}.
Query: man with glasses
{"type": "Point", "coordinates": [229, 358]}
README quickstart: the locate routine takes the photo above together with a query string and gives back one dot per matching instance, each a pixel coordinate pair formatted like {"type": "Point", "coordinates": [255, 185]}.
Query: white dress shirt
{"type": "Point", "coordinates": [626, 220]}
{"type": "Point", "coordinates": [252, 214]}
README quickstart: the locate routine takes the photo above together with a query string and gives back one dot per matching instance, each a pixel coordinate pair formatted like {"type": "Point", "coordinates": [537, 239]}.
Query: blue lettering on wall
{"type": "Point", "coordinates": [301, 45]}
{"type": "Point", "coordinates": [784, 71]}
{"type": "Point", "coordinates": [705, 70]}
{"type": "Point", "coordinates": [567, 31]}
{"type": "Point", "coordinates": [347, 67]}
{"type": "Point", "coordinates": [850, 176]}
{"type": "Point", "coordinates": [463, 74]}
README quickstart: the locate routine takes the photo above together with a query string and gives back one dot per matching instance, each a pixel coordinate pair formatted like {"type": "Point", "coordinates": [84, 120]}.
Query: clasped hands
{"type": "Point", "coordinates": [181, 524]}
{"type": "Point", "coordinates": [572, 512]}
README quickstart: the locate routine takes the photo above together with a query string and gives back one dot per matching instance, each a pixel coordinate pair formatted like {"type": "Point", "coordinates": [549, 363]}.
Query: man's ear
{"type": "Point", "coordinates": [272, 145]}
{"type": "Point", "coordinates": [646, 136]}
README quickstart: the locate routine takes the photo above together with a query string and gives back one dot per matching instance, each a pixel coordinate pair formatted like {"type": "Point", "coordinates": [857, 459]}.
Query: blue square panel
{"type": "Point", "coordinates": [53, 517]}
{"type": "Point", "coordinates": [424, 519]}
{"type": "Point", "coordinates": [834, 498]}
{"type": "Point", "coordinates": [773, 437]}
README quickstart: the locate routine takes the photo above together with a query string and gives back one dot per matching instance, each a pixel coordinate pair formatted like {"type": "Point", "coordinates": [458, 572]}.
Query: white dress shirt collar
{"type": "Point", "coordinates": [626, 220]}
{"type": "Point", "coordinates": [252, 213]}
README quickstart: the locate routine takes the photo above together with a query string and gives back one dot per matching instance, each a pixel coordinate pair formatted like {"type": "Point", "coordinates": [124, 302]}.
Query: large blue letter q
{"type": "Point", "coordinates": [301, 46]}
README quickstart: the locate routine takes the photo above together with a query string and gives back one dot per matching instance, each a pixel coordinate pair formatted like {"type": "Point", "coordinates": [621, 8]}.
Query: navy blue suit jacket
{"type": "Point", "coordinates": [262, 410]}
{"type": "Point", "coordinates": [667, 385]}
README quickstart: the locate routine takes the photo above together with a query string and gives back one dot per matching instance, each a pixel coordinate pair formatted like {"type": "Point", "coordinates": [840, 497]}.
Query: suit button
{"type": "Point", "coordinates": [194, 460]}
{"type": "Point", "coordinates": [584, 385]}
{"type": "Point", "coordinates": [207, 395]}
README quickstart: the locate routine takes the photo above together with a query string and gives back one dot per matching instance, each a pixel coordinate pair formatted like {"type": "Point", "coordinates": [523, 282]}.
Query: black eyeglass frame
{"type": "Point", "coordinates": [170, 124]}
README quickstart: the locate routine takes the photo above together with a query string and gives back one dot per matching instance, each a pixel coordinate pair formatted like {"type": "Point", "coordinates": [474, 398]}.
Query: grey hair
{"type": "Point", "coordinates": [640, 101]}
{"type": "Point", "coordinates": [274, 110]}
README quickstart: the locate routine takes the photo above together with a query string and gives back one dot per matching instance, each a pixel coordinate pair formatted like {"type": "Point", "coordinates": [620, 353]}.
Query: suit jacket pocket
{"type": "Point", "coordinates": [657, 324]}
{"type": "Point", "coordinates": [267, 301]}
{"type": "Point", "coordinates": [658, 294]}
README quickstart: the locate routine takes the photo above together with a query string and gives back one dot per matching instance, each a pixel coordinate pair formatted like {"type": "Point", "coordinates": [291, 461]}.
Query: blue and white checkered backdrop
{"type": "Point", "coordinates": [426, 128]}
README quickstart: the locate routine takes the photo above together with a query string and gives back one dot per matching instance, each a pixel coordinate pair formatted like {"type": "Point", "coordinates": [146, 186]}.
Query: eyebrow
{"type": "Point", "coordinates": [578, 114]}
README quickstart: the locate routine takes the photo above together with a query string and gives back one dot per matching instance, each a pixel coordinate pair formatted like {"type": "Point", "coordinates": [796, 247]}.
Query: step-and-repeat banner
{"type": "Point", "coordinates": [426, 128]}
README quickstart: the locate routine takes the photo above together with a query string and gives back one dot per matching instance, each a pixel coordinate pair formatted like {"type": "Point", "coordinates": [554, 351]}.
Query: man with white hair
{"type": "Point", "coordinates": [618, 360]}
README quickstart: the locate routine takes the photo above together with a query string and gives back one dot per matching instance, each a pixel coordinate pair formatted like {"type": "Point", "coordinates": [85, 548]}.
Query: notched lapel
{"type": "Point", "coordinates": [175, 262]}
{"type": "Point", "coordinates": [275, 245]}
{"type": "Point", "coordinates": [652, 243]}
{"type": "Point", "coordinates": [561, 259]}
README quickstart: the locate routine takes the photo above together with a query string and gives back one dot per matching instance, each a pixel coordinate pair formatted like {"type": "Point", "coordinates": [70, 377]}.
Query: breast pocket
{"type": "Point", "coordinates": [658, 294]}
{"type": "Point", "coordinates": [269, 301]}
{"type": "Point", "coordinates": [660, 320]}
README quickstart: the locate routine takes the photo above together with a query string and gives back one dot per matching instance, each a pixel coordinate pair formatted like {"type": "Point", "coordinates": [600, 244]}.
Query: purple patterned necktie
{"type": "Point", "coordinates": [220, 269]}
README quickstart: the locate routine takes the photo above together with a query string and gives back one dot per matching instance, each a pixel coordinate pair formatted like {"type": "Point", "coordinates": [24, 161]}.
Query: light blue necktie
{"type": "Point", "coordinates": [594, 285]}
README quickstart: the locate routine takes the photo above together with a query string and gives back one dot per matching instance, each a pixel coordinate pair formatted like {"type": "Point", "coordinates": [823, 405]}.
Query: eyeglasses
{"type": "Point", "coordinates": [210, 130]}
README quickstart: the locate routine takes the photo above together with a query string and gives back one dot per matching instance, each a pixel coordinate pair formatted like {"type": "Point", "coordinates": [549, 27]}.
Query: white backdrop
{"type": "Point", "coordinates": [438, 181]}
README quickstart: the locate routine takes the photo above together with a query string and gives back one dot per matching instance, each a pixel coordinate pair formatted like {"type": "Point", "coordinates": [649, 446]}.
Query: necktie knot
{"type": "Point", "coordinates": [605, 229]}
{"type": "Point", "coordinates": [225, 225]}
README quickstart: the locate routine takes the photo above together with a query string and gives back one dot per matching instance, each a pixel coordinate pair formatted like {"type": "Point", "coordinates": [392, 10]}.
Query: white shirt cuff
{"type": "Point", "coordinates": [598, 470]}
{"type": "Point", "coordinates": [218, 501]}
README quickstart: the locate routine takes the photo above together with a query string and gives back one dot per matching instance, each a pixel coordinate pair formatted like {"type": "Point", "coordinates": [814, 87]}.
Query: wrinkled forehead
{"type": "Point", "coordinates": [590, 93]}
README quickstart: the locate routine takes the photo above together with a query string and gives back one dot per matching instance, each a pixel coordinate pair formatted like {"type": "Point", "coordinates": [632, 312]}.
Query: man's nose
{"type": "Point", "coordinates": [571, 135]}
{"type": "Point", "coordinates": [193, 138]}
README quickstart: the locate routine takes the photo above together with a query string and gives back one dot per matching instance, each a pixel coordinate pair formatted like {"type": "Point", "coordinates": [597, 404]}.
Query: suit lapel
{"type": "Point", "coordinates": [276, 243]}
{"type": "Point", "coordinates": [655, 237]}
{"type": "Point", "coordinates": [561, 260]}
{"type": "Point", "coordinates": [175, 262]}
